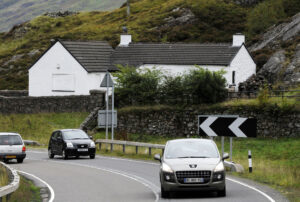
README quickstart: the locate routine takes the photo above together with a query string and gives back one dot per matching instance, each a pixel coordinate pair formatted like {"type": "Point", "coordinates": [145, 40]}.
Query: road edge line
{"type": "Point", "coordinates": [253, 188]}
{"type": "Point", "coordinates": [52, 194]}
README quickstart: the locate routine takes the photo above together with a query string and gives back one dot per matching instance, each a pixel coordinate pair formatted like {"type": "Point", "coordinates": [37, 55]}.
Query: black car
{"type": "Point", "coordinates": [71, 142]}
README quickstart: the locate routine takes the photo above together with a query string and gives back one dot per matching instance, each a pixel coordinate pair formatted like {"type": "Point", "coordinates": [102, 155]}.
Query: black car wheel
{"type": "Point", "coordinates": [92, 156]}
{"type": "Point", "coordinates": [64, 155]}
{"type": "Point", "coordinates": [222, 193]}
{"type": "Point", "coordinates": [5, 160]}
{"type": "Point", "coordinates": [50, 154]}
{"type": "Point", "coordinates": [164, 194]}
{"type": "Point", "coordinates": [20, 160]}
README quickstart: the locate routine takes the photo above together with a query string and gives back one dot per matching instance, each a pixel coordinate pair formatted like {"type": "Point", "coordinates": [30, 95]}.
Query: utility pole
{"type": "Point", "coordinates": [128, 8]}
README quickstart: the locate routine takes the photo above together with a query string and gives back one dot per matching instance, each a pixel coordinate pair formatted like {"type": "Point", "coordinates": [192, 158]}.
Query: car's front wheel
{"type": "Point", "coordinates": [50, 154]}
{"type": "Point", "coordinates": [92, 156]}
{"type": "Point", "coordinates": [64, 155]}
{"type": "Point", "coordinates": [222, 193]}
{"type": "Point", "coordinates": [164, 194]}
{"type": "Point", "coordinates": [20, 160]}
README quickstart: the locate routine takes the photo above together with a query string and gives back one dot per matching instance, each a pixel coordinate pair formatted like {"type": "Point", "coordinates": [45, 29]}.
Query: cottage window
{"type": "Point", "coordinates": [63, 83]}
{"type": "Point", "coordinates": [233, 77]}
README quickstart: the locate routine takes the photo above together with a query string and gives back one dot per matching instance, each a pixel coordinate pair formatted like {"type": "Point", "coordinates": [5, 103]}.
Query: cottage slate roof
{"type": "Point", "coordinates": [94, 56]}
{"type": "Point", "coordinates": [174, 53]}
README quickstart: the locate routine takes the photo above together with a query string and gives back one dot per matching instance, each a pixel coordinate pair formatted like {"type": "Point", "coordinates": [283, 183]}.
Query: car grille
{"type": "Point", "coordinates": [205, 174]}
{"type": "Point", "coordinates": [82, 146]}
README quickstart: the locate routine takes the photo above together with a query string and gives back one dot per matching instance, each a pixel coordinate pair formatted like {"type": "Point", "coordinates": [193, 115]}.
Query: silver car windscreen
{"type": "Point", "coordinates": [10, 140]}
{"type": "Point", "coordinates": [191, 149]}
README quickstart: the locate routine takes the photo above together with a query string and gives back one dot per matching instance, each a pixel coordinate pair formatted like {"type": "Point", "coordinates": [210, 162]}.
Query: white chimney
{"type": "Point", "coordinates": [125, 40]}
{"type": "Point", "coordinates": [238, 39]}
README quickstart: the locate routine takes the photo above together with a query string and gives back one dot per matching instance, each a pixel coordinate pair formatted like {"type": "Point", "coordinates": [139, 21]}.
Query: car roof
{"type": "Point", "coordinates": [65, 130]}
{"type": "Point", "coordinates": [189, 139]}
{"type": "Point", "coordinates": [8, 133]}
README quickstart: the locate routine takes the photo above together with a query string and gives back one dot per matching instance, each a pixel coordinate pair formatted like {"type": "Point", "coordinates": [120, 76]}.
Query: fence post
{"type": "Point", "coordinates": [136, 149]}
{"type": "Point", "coordinates": [99, 149]}
{"type": "Point", "coordinates": [149, 151]}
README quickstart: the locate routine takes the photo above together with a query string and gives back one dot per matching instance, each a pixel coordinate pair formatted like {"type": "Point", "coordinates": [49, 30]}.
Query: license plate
{"type": "Point", "coordinates": [82, 149]}
{"type": "Point", "coordinates": [193, 180]}
{"type": "Point", "coordinates": [10, 157]}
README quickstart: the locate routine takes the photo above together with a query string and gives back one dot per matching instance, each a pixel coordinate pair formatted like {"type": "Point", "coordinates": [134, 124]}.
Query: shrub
{"type": "Point", "coordinates": [136, 87]}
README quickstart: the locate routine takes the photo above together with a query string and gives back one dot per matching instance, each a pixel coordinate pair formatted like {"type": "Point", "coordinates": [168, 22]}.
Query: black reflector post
{"type": "Point", "coordinates": [250, 161]}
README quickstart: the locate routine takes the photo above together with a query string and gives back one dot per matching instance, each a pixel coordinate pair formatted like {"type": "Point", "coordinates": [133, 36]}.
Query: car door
{"type": "Point", "coordinates": [60, 143]}
{"type": "Point", "coordinates": [52, 143]}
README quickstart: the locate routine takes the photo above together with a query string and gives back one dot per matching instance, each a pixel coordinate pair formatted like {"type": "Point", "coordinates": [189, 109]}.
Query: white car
{"type": "Point", "coordinates": [12, 147]}
{"type": "Point", "coordinates": [192, 165]}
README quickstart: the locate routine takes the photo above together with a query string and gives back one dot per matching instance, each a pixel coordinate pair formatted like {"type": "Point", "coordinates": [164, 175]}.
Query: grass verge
{"type": "Point", "coordinates": [3, 177]}
{"type": "Point", "coordinates": [40, 126]}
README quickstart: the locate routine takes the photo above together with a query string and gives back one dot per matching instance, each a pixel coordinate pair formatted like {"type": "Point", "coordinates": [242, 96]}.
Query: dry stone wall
{"type": "Point", "coordinates": [184, 122]}
{"type": "Point", "coordinates": [28, 105]}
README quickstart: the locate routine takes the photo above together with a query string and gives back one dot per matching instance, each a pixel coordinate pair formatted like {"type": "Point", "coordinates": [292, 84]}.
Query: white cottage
{"type": "Point", "coordinates": [76, 67]}
{"type": "Point", "coordinates": [178, 58]}
{"type": "Point", "coordinates": [70, 68]}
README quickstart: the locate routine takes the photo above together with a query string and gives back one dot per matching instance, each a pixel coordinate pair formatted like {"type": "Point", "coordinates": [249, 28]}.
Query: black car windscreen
{"type": "Point", "coordinates": [10, 140]}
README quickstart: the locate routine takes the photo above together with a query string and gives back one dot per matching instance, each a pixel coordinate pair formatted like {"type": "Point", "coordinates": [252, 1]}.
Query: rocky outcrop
{"type": "Point", "coordinates": [273, 69]}
{"type": "Point", "coordinates": [278, 34]}
{"type": "Point", "coordinates": [180, 16]}
{"type": "Point", "coordinates": [292, 72]}
{"type": "Point", "coordinates": [60, 14]}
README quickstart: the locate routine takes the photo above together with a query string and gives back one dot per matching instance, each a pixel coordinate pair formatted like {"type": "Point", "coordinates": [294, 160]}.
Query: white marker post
{"type": "Point", "coordinates": [250, 161]}
{"type": "Point", "coordinates": [106, 119]}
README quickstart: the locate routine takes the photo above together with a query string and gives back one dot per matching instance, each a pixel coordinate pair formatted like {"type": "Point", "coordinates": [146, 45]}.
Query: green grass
{"type": "Point", "coordinates": [276, 162]}
{"type": "Point", "coordinates": [27, 191]}
{"type": "Point", "coordinates": [3, 177]}
{"type": "Point", "coordinates": [40, 126]}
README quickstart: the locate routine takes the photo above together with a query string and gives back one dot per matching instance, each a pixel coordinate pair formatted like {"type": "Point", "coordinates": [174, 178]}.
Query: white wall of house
{"type": "Point", "coordinates": [243, 65]}
{"type": "Point", "coordinates": [57, 73]}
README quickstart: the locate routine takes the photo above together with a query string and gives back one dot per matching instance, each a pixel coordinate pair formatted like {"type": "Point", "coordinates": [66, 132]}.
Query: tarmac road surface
{"type": "Point", "coordinates": [113, 179]}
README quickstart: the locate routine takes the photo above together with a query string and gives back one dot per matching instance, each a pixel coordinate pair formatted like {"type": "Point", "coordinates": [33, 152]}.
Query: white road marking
{"type": "Point", "coordinates": [251, 187]}
{"type": "Point", "coordinates": [141, 180]}
{"type": "Point", "coordinates": [52, 195]}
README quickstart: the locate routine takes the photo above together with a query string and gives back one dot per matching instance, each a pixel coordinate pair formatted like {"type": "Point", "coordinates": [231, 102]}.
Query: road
{"type": "Point", "coordinates": [115, 179]}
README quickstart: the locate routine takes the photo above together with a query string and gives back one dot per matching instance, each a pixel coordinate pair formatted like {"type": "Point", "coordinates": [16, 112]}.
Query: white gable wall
{"type": "Point", "coordinates": [52, 74]}
{"type": "Point", "coordinates": [243, 65]}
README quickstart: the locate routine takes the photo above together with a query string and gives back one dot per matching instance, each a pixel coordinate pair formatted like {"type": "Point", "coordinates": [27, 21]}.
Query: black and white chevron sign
{"type": "Point", "coordinates": [227, 126]}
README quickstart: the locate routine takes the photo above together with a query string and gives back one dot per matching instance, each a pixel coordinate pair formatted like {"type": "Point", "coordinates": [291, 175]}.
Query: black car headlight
{"type": "Point", "coordinates": [218, 176]}
{"type": "Point", "coordinates": [169, 177]}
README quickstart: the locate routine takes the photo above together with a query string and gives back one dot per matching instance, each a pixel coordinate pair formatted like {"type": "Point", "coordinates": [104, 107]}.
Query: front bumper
{"type": "Point", "coordinates": [75, 152]}
{"type": "Point", "coordinates": [12, 155]}
{"type": "Point", "coordinates": [177, 186]}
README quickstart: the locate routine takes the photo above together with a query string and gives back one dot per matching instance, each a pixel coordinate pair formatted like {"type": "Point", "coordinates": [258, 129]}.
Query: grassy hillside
{"type": "Point", "coordinates": [151, 20]}
{"type": "Point", "coordinates": [13, 12]}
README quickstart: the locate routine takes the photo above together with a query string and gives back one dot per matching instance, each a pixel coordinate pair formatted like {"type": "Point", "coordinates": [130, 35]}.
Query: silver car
{"type": "Point", "coordinates": [12, 147]}
{"type": "Point", "coordinates": [191, 165]}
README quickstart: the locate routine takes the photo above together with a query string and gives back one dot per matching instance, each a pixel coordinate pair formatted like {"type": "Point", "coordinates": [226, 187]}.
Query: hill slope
{"type": "Point", "coordinates": [13, 12]}
{"type": "Point", "coordinates": [150, 20]}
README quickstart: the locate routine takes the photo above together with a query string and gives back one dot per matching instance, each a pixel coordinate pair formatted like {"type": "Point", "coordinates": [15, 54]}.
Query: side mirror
{"type": "Point", "coordinates": [225, 156]}
{"type": "Point", "coordinates": [91, 137]}
{"type": "Point", "coordinates": [157, 157]}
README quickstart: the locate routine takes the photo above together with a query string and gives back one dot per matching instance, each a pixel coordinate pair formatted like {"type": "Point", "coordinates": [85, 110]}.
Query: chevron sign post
{"type": "Point", "coordinates": [227, 126]}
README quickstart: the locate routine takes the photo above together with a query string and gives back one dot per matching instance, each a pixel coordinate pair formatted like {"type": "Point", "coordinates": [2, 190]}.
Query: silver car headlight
{"type": "Point", "coordinates": [70, 145]}
{"type": "Point", "coordinates": [166, 168]}
{"type": "Point", "coordinates": [219, 167]}
{"type": "Point", "coordinates": [92, 144]}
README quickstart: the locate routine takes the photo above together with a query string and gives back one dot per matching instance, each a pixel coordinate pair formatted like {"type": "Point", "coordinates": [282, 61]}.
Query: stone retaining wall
{"type": "Point", "coordinates": [13, 93]}
{"type": "Point", "coordinates": [28, 105]}
{"type": "Point", "coordinates": [170, 122]}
